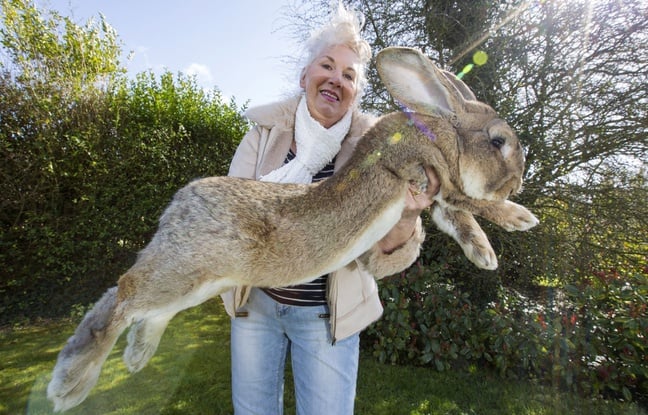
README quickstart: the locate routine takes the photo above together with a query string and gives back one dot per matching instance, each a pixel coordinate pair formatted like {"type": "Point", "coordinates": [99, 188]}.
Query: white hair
{"type": "Point", "coordinates": [343, 28]}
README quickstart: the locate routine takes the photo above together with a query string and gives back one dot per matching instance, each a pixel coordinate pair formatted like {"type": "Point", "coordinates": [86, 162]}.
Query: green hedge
{"type": "Point", "coordinates": [85, 177]}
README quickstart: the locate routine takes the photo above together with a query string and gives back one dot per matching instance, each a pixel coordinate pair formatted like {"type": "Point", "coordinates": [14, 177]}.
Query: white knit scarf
{"type": "Point", "coordinates": [316, 147]}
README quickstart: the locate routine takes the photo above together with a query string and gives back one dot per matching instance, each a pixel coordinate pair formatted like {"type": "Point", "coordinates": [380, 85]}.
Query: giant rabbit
{"type": "Point", "coordinates": [221, 232]}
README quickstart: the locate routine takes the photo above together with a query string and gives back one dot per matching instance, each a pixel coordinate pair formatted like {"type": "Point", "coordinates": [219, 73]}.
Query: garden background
{"type": "Point", "coordinates": [89, 158]}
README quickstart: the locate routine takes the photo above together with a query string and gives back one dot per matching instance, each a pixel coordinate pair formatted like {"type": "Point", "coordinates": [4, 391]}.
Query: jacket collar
{"type": "Point", "coordinates": [281, 115]}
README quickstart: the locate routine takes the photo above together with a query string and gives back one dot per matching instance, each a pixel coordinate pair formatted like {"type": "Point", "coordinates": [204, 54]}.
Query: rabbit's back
{"type": "Point", "coordinates": [220, 223]}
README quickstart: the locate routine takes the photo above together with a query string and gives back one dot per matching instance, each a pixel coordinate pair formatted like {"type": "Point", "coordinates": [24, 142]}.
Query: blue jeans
{"type": "Point", "coordinates": [324, 373]}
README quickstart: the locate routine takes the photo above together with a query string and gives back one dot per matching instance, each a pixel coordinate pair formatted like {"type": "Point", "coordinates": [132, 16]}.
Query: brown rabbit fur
{"type": "Point", "coordinates": [222, 232]}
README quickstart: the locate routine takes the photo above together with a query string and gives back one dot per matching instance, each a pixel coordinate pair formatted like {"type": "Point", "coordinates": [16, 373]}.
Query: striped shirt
{"type": "Point", "coordinates": [312, 293]}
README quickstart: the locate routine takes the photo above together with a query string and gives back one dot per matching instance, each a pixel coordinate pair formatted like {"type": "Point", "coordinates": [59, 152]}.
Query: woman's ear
{"type": "Point", "coordinates": [302, 78]}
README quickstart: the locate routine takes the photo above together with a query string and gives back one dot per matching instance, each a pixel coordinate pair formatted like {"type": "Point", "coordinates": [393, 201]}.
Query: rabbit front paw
{"type": "Point", "coordinates": [479, 251]}
{"type": "Point", "coordinates": [463, 227]}
{"type": "Point", "coordinates": [517, 218]}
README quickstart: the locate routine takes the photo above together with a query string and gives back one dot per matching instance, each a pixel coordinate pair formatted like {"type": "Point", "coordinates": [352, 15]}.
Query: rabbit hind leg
{"type": "Point", "coordinates": [79, 363]}
{"type": "Point", "coordinates": [143, 340]}
{"type": "Point", "coordinates": [144, 336]}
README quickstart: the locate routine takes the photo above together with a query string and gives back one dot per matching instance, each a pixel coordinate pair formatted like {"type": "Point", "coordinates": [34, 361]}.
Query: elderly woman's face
{"type": "Point", "coordinates": [330, 82]}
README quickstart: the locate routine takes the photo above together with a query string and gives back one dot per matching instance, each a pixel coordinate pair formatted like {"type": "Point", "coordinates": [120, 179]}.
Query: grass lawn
{"type": "Point", "coordinates": [190, 375]}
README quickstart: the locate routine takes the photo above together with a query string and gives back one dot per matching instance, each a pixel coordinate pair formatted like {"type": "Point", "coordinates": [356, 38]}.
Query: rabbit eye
{"type": "Point", "coordinates": [498, 142]}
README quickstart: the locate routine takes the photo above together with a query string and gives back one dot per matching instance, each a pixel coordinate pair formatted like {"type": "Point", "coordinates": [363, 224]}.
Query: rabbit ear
{"type": "Point", "coordinates": [412, 79]}
{"type": "Point", "coordinates": [461, 87]}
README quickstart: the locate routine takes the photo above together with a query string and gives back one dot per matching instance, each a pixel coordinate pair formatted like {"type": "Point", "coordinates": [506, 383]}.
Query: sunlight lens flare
{"type": "Point", "coordinates": [479, 58]}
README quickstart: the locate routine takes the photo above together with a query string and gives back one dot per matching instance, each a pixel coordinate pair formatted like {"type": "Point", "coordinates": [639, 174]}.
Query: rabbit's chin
{"type": "Point", "coordinates": [511, 187]}
{"type": "Point", "coordinates": [475, 185]}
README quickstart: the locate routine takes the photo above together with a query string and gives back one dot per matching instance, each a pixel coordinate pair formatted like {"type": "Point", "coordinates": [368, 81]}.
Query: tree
{"type": "Point", "coordinates": [570, 78]}
{"type": "Point", "coordinates": [46, 48]}
{"type": "Point", "coordinates": [52, 64]}
{"type": "Point", "coordinates": [579, 102]}
{"type": "Point", "coordinates": [88, 158]}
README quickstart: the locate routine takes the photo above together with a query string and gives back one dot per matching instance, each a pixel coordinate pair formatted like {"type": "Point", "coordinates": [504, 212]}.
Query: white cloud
{"type": "Point", "coordinates": [201, 72]}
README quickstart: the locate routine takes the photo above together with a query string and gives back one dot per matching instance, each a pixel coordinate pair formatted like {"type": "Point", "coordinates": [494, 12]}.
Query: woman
{"type": "Point", "coordinates": [302, 139]}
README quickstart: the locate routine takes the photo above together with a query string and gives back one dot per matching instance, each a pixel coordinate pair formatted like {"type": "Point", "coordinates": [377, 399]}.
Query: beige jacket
{"type": "Point", "coordinates": [352, 291]}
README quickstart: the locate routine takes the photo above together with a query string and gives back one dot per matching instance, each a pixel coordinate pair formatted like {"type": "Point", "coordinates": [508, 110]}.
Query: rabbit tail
{"type": "Point", "coordinates": [79, 363]}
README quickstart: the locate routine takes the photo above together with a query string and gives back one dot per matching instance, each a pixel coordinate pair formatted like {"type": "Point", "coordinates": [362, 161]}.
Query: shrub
{"type": "Point", "coordinates": [590, 339]}
{"type": "Point", "coordinates": [426, 321]}
{"type": "Point", "coordinates": [611, 332]}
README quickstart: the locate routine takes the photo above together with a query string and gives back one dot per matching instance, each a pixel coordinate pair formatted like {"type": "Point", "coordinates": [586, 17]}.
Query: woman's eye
{"type": "Point", "coordinates": [348, 77]}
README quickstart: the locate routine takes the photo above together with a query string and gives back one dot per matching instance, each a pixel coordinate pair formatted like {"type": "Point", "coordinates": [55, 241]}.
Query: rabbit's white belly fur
{"type": "Point", "coordinates": [373, 233]}
{"type": "Point", "coordinates": [199, 295]}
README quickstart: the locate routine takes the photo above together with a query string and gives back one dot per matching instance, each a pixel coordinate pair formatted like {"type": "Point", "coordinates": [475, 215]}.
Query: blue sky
{"type": "Point", "coordinates": [237, 46]}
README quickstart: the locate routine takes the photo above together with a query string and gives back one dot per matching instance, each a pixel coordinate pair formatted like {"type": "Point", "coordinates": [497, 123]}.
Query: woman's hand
{"type": "Point", "coordinates": [416, 201]}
